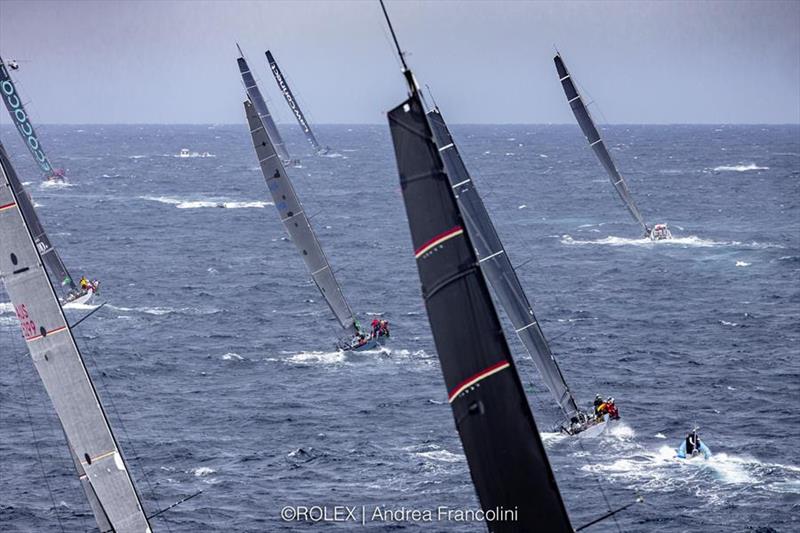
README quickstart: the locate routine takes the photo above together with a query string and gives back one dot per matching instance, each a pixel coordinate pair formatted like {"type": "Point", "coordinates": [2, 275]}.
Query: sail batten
{"type": "Point", "coordinates": [297, 224]}
{"type": "Point", "coordinates": [257, 99]}
{"type": "Point", "coordinates": [61, 368]}
{"type": "Point", "coordinates": [498, 268]}
{"type": "Point", "coordinates": [505, 454]}
{"type": "Point", "coordinates": [294, 105]}
{"type": "Point", "coordinates": [595, 140]}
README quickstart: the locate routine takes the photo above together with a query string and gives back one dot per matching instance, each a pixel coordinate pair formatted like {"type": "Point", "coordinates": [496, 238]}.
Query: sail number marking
{"type": "Point", "coordinates": [25, 321]}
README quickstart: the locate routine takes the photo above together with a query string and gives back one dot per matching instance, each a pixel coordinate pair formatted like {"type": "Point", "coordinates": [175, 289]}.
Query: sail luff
{"type": "Point", "coordinates": [497, 266]}
{"type": "Point", "coordinates": [294, 105]}
{"type": "Point", "coordinates": [296, 222]}
{"type": "Point", "coordinates": [505, 454]}
{"type": "Point", "coordinates": [255, 96]}
{"type": "Point", "coordinates": [60, 366]}
{"type": "Point", "coordinates": [596, 142]}
{"type": "Point", "coordinates": [20, 118]}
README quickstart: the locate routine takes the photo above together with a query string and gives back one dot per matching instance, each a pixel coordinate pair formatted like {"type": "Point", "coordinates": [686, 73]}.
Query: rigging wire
{"type": "Point", "coordinates": [108, 400]}
{"type": "Point", "coordinates": [36, 443]}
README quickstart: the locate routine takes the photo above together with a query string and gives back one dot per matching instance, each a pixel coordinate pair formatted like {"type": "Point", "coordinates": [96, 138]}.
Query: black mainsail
{"type": "Point", "coordinates": [506, 457]}
{"type": "Point", "coordinates": [586, 123]}
{"type": "Point", "coordinates": [296, 222]}
{"type": "Point", "coordinates": [497, 266]}
{"type": "Point", "coordinates": [255, 96]}
{"type": "Point", "coordinates": [21, 120]}
{"type": "Point", "coordinates": [292, 101]}
{"type": "Point", "coordinates": [58, 361]}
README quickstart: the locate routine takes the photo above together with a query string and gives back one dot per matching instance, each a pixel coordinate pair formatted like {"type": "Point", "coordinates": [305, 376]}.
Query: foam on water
{"type": "Point", "coordinates": [198, 204]}
{"type": "Point", "coordinates": [320, 358]}
{"type": "Point", "coordinates": [738, 168]}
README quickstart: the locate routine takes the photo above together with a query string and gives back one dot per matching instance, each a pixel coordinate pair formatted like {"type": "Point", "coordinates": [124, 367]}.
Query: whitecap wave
{"type": "Point", "coordinates": [55, 184]}
{"type": "Point", "coordinates": [738, 168]}
{"type": "Point", "coordinates": [182, 203]}
{"type": "Point", "coordinates": [6, 307]}
{"type": "Point", "coordinates": [323, 358]}
{"type": "Point", "coordinates": [230, 356]}
{"type": "Point", "coordinates": [441, 455]}
{"type": "Point", "coordinates": [742, 264]}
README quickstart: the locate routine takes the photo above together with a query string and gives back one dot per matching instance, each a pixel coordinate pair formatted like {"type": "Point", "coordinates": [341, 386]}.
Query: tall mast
{"type": "Point", "coordinates": [575, 101]}
{"type": "Point", "coordinates": [292, 101]}
{"type": "Point", "coordinates": [505, 454]}
{"type": "Point", "coordinates": [62, 370]}
{"type": "Point", "coordinates": [296, 222]}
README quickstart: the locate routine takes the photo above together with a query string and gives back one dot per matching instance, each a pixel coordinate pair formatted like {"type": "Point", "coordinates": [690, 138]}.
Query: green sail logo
{"type": "Point", "coordinates": [17, 112]}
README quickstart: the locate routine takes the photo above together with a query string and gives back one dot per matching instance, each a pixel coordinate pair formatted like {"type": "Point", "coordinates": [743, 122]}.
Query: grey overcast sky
{"type": "Point", "coordinates": [487, 62]}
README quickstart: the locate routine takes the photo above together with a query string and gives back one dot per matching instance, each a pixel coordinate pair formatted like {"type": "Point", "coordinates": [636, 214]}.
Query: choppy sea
{"type": "Point", "coordinates": [214, 353]}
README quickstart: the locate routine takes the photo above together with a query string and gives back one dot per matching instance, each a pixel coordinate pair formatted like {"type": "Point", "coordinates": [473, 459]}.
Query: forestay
{"type": "Point", "coordinates": [595, 141]}
{"type": "Point", "coordinates": [61, 368]}
{"type": "Point", "coordinates": [497, 266]}
{"type": "Point", "coordinates": [290, 99]}
{"type": "Point", "coordinates": [504, 452]}
{"type": "Point", "coordinates": [254, 95]}
{"type": "Point", "coordinates": [296, 222]}
{"type": "Point", "coordinates": [20, 118]}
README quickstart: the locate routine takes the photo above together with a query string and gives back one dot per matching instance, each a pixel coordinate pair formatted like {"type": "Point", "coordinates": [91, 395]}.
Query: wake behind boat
{"type": "Point", "coordinates": [299, 227]}
{"type": "Point", "coordinates": [575, 100]}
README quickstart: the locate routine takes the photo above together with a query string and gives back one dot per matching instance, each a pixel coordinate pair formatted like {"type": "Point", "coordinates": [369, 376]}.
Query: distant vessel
{"type": "Point", "coordinates": [659, 231]}
{"type": "Point", "coordinates": [501, 442]}
{"type": "Point", "coordinates": [20, 118]}
{"type": "Point", "coordinates": [294, 105]}
{"type": "Point", "coordinates": [95, 452]}
{"type": "Point", "coordinates": [185, 153]}
{"type": "Point", "coordinates": [302, 234]}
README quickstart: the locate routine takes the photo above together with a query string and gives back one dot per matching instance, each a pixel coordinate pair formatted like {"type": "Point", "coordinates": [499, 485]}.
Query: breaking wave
{"type": "Point", "coordinates": [690, 241]}
{"type": "Point", "coordinates": [198, 204]}
{"type": "Point", "coordinates": [738, 168]}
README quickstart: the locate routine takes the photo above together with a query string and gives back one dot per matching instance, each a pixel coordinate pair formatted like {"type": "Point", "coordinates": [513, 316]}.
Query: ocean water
{"type": "Point", "coordinates": [214, 354]}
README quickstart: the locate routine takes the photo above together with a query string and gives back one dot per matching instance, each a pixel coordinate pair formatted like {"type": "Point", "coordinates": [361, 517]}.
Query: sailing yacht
{"type": "Point", "coordinates": [658, 232]}
{"type": "Point", "coordinates": [504, 452]}
{"type": "Point", "coordinates": [99, 463]}
{"type": "Point", "coordinates": [298, 225]}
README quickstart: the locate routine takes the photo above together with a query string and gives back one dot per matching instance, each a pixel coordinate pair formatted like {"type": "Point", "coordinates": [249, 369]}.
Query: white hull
{"type": "Point", "coordinates": [80, 300]}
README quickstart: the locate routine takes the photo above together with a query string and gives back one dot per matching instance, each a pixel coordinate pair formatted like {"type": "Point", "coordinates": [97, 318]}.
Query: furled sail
{"type": "Point", "coordinates": [506, 457]}
{"type": "Point", "coordinates": [497, 266]}
{"type": "Point", "coordinates": [61, 368]}
{"type": "Point", "coordinates": [20, 118]}
{"type": "Point", "coordinates": [293, 104]}
{"type": "Point", "coordinates": [254, 95]}
{"type": "Point", "coordinates": [595, 141]}
{"type": "Point", "coordinates": [49, 254]}
{"type": "Point", "coordinates": [296, 221]}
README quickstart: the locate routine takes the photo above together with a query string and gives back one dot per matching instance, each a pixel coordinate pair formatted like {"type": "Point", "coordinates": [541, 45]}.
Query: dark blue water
{"type": "Point", "coordinates": [215, 355]}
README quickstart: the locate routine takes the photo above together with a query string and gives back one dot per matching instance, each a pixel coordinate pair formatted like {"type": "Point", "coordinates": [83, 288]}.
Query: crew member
{"type": "Point", "coordinates": [611, 409]}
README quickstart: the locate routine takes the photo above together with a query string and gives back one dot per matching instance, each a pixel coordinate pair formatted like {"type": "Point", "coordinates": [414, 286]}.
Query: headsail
{"type": "Point", "coordinates": [505, 454]}
{"type": "Point", "coordinates": [254, 95]}
{"type": "Point", "coordinates": [293, 104]}
{"type": "Point", "coordinates": [497, 266]}
{"type": "Point", "coordinates": [595, 141]}
{"type": "Point", "coordinates": [61, 368]}
{"type": "Point", "coordinates": [49, 254]}
{"type": "Point", "coordinates": [296, 222]}
{"type": "Point", "coordinates": [20, 117]}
